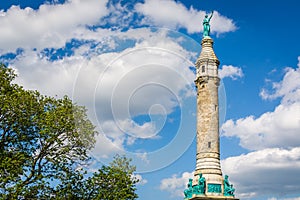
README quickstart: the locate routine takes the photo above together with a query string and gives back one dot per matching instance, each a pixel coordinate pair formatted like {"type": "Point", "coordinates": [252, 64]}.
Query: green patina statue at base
{"type": "Point", "coordinates": [228, 188]}
{"type": "Point", "coordinates": [200, 188]}
{"type": "Point", "coordinates": [195, 189]}
{"type": "Point", "coordinates": [188, 193]}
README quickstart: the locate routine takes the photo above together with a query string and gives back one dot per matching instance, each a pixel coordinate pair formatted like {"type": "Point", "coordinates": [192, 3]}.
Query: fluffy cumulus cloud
{"type": "Point", "coordinates": [278, 128]}
{"type": "Point", "coordinates": [173, 14]}
{"type": "Point", "coordinates": [176, 184]}
{"type": "Point", "coordinates": [50, 77]}
{"type": "Point", "coordinates": [53, 25]}
{"type": "Point", "coordinates": [50, 25]}
{"type": "Point", "coordinates": [272, 171]}
{"type": "Point", "coordinates": [149, 78]}
{"type": "Point", "coordinates": [78, 49]}
{"type": "Point", "coordinates": [231, 72]}
{"type": "Point", "coordinates": [273, 167]}
{"type": "Point", "coordinates": [288, 88]}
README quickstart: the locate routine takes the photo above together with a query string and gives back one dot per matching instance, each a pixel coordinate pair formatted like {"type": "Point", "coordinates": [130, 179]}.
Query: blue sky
{"type": "Point", "coordinates": [131, 64]}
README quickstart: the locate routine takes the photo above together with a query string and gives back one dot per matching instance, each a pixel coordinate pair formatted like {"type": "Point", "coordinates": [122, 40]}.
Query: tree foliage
{"type": "Point", "coordinates": [108, 183]}
{"type": "Point", "coordinates": [42, 141]}
{"type": "Point", "coordinates": [115, 181]}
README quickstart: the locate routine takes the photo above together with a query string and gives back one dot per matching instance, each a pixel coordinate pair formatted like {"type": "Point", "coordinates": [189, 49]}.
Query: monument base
{"type": "Point", "coordinates": [212, 198]}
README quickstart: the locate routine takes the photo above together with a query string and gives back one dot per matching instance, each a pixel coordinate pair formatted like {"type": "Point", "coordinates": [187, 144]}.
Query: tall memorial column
{"type": "Point", "coordinates": [208, 182]}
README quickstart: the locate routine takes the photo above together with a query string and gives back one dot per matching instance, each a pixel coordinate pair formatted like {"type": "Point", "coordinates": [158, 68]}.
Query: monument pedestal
{"type": "Point", "coordinates": [212, 198]}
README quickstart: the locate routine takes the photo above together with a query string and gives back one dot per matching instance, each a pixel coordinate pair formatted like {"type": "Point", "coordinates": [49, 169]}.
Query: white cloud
{"type": "Point", "coordinates": [231, 72]}
{"type": "Point", "coordinates": [273, 169]}
{"type": "Point", "coordinates": [266, 172]}
{"type": "Point", "coordinates": [176, 185]}
{"type": "Point", "coordinates": [51, 78]}
{"type": "Point", "coordinates": [106, 147]}
{"type": "Point", "coordinates": [172, 14]}
{"type": "Point", "coordinates": [121, 15]}
{"type": "Point", "coordinates": [49, 26]}
{"type": "Point", "coordinates": [278, 128]}
{"type": "Point", "coordinates": [288, 88]}
{"type": "Point", "coordinates": [151, 78]}
{"type": "Point", "coordinates": [144, 80]}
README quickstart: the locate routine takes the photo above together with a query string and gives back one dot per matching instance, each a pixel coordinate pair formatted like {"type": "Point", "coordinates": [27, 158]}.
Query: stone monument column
{"type": "Point", "coordinates": [208, 182]}
{"type": "Point", "coordinates": [208, 143]}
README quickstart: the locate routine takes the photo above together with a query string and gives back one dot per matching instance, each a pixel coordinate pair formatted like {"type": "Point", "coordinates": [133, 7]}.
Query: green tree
{"type": "Point", "coordinates": [42, 139]}
{"type": "Point", "coordinates": [43, 143]}
{"type": "Point", "coordinates": [115, 181]}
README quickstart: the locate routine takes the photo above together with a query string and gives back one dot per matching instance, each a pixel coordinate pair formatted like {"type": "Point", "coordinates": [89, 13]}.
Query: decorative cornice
{"type": "Point", "coordinates": [207, 53]}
